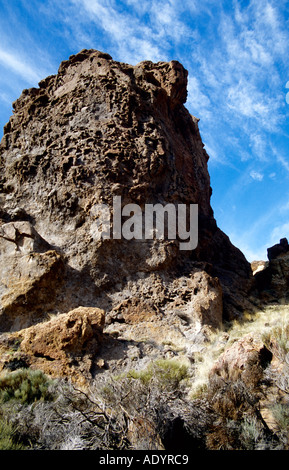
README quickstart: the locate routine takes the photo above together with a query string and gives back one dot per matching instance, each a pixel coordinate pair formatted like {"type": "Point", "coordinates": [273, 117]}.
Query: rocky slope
{"type": "Point", "coordinates": [154, 344]}
{"type": "Point", "coordinates": [96, 130]}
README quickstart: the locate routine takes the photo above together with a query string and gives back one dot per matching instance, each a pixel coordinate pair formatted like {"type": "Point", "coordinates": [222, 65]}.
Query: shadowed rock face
{"type": "Point", "coordinates": [100, 129]}
{"type": "Point", "coordinates": [272, 282]}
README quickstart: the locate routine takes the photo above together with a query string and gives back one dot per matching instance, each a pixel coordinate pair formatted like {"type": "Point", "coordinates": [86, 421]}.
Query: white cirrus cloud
{"type": "Point", "coordinates": [19, 66]}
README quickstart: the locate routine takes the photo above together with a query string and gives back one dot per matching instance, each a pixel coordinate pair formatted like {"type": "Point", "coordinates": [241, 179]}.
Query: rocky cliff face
{"type": "Point", "coordinates": [96, 130]}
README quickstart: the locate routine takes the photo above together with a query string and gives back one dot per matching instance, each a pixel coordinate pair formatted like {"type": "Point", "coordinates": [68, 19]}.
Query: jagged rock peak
{"type": "Point", "coordinates": [170, 76]}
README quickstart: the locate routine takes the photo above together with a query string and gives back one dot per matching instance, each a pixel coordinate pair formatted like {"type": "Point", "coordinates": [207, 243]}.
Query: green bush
{"type": "Point", "coordinates": [281, 414]}
{"type": "Point", "coordinates": [251, 432]}
{"type": "Point", "coordinates": [167, 373]}
{"type": "Point", "coordinates": [24, 385]}
{"type": "Point", "coordinates": [7, 437]}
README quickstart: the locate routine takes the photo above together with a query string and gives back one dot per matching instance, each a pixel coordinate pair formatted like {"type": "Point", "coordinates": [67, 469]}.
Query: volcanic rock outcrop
{"type": "Point", "coordinates": [272, 282]}
{"type": "Point", "coordinates": [95, 130]}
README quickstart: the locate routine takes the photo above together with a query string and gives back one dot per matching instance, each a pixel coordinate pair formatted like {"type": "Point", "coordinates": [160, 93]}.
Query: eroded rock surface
{"type": "Point", "coordinates": [65, 345]}
{"type": "Point", "coordinates": [99, 129]}
{"type": "Point", "coordinates": [31, 275]}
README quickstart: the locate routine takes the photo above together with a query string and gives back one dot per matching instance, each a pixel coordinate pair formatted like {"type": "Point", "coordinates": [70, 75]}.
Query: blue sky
{"type": "Point", "coordinates": [236, 53]}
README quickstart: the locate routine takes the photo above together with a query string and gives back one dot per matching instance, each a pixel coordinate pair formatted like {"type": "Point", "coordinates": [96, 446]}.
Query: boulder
{"type": "Point", "coordinates": [245, 359]}
{"type": "Point", "coordinates": [65, 345]}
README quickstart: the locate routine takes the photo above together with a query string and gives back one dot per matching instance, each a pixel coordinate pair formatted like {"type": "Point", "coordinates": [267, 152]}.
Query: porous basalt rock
{"type": "Point", "coordinates": [99, 129]}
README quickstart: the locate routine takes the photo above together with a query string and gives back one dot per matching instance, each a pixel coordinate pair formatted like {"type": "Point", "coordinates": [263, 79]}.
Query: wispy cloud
{"type": "Point", "coordinates": [259, 146]}
{"type": "Point", "coordinates": [19, 66]}
{"type": "Point", "coordinates": [197, 99]}
{"type": "Point", "coordinates": [280, 159]}
{"type": "Point", "coordinates": [245, 99]}
{"type": "Point", "coordinates": [284, 162]}
{"type": "Point", "coordinates": [240, 89]}
{"type": "Point", "coordinates": [131, 37]}
{"type": "Point", "coordinates": [5, 98]}
{"type": "Point", "coordinates": [279, 232]}
{"type": "Point", "coordinates": [256, 175]}
{"type": "Point", "coordinates": [146, 30]}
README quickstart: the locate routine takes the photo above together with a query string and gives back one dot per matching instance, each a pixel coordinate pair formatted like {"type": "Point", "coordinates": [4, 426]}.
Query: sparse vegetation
{"type": "Point", "coordinates": [169, 404]}
{"type": "Point", "coordinates": [24, 385]}
{"type": "Point", "coordinates": [281, 414]}
{"type": "Point", "coordinates": [7, 437]}
{"type": "Point", "coordinates": [168, 374]}
{"type": "Point", "coordinates": [277, 339]}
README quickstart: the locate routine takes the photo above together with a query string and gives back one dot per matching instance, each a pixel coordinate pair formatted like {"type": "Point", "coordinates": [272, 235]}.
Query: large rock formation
{"type": "Point", "coordinates": [96, 130]}
{"type": "Point", "coordinates": [272, 282]}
